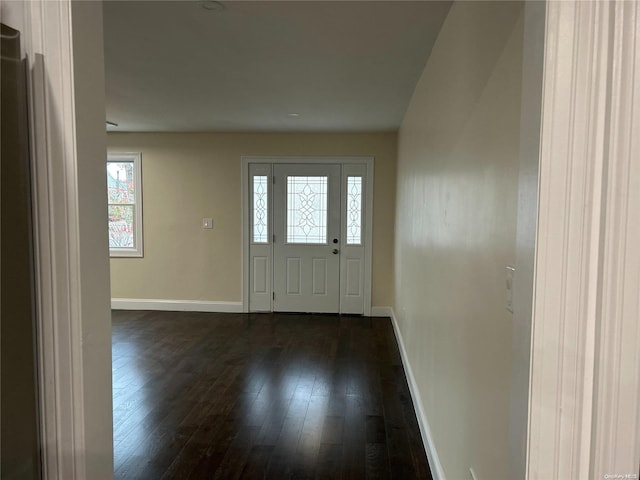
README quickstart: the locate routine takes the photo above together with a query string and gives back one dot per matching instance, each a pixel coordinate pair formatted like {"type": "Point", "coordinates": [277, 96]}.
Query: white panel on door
{"type": "Point", "coordinates": [259, 225]}
{"type": "Point", "coordinates": [354, 240]}
{"type": "Point", "coordinates": [306, 223]}
{"type": "Point", "coordinates": [260, 272]}
{"type": "Point", "coordinates": [293, 276]}
{"type": "Point", "coordinates": [354, 274]}
{"type": "Point", "coordinates": [319, 276]}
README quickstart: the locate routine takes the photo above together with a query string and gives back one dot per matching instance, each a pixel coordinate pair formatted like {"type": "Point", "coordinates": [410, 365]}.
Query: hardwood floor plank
{"type": "Point", "coordinates": [375, 429]}
{"type": "Point", "coordinates": [284, 454]}
{"type": "Point", "coordinates": [309, 443]}
{"type": "Point", "coordinates": [329, 461]}
{"type": "Point", "coordinates": [377, 463]}
{"type": "Point", "coordinates": [333, 430]}
{"type": "Point", "coordinates": [257, 462]}
{"type": "Point", "coordinates": [261, 396]}
{"type": "Point", "coordinates": [354, 443]}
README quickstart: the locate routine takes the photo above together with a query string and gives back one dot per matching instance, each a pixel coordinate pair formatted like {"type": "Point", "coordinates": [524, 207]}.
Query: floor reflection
{"type": "Point", "coordinates": [259, 396]}
{"type": "Point", "coordinates": [131, 400]}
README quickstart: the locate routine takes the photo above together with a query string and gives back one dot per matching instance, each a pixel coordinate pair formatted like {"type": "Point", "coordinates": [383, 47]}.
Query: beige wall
{"type": "Point", "coordinates": [530, 114]}
{"type": "Point", "coordinates": [188, 176]}
{"type": "Point", "coordinates": [456, 230]}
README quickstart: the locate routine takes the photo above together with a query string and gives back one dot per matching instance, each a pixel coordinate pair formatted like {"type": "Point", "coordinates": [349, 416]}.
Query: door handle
{"type": "Point", "coordinates": [335, 251]}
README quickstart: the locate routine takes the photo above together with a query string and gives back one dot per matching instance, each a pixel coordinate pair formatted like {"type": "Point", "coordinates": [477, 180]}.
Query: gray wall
{"type": "Point", "coordinates": [532, 69]}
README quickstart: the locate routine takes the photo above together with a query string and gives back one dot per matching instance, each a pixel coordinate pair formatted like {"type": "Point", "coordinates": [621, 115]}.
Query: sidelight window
{"type": "Point", "coordinates": [354, 210]}
{"type": "Point", "coordinates": [260, 224]}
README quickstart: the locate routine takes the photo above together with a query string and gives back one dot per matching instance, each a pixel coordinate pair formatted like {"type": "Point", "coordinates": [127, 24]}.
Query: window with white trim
{"type": "Point", "coordinates": [124, 196]}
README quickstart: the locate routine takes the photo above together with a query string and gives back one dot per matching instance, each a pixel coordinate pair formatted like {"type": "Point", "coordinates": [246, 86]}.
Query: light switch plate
{"type": "Point", "coordinates": [511, 272]}
{"type": "Point", "coordinates": [207, 223]}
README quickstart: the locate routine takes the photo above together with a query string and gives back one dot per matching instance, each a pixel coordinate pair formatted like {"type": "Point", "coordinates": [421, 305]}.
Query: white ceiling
{"type": "Point", "coordinates": [341, 65]}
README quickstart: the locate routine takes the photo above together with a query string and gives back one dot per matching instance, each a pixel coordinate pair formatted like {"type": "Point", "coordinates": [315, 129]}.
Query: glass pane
{"type": "Point", "coordinates": [121, 182]}
{"type": "Point", "coordinates": [354, 210]}
{"type": "Point", "coordinates": [306, 209]}
{"type": "Point", "coordinates": [121, 226]}
{"type": "Point", "coordinates": [260, 209]}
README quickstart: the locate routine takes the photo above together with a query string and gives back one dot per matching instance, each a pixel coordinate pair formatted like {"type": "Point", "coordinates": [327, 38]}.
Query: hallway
{"type": "Point", "coordinates": [208, 395]}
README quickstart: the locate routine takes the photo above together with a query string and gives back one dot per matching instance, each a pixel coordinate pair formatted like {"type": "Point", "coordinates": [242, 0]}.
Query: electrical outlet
{"type": "Point", "coordinates": [207, 223]}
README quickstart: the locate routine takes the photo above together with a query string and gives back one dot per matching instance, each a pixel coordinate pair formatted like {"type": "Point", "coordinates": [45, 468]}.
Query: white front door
{"type": "Point", "coordinates": [306, 243]}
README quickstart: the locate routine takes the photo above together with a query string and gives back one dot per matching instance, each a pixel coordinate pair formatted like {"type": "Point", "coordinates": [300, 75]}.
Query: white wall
{"type": "Point", "coordinates": [455, 234]}
{"type": "Point", "coordinates": [94, 261]}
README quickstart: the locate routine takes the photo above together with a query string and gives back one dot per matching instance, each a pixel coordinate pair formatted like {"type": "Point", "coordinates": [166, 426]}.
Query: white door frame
{"type": "Point", "coordinates": [584, 395]}
{"type": "Point", "coordinates": [71, 256]}
{"type": "Point", "coordinates": [584, 391]}
{"type": "Point", "coordinates": [368, 230]}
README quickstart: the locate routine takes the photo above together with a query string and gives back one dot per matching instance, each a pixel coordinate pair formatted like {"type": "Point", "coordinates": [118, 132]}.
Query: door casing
{"type": "Point", "coordinates": [345, 162]}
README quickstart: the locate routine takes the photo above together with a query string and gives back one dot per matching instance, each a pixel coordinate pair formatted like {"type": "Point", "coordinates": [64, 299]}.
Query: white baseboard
{"type": "Point", "coordinates": [381, 311]}
{"type": "Point", "coordinates": [175, 305]}
{"type": "Point", "coordinates": [425, 430]}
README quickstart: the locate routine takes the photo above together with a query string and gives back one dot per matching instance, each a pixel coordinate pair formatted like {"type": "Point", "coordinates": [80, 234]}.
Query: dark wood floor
{"type": "Point", "coordinates": [205, 395]}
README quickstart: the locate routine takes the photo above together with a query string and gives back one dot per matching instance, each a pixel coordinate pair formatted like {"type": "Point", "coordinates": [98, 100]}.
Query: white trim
{"type": "Point", "coordinates": [56, 237]}
{"type": "Point", "coordinates": [567, 253]}
{"type": "Point", "coordinates": [585, 293]}
{"type": "Point", "coordinates": [429, 445]}
{"type": "Point", "coordinates": [175, 305]}
{"type": "Point", "coordinates": [616, 421]}
{"type": "Point", "coordinates": [368, 236]}
{"type": "Point", "coordinates": [245, 232]}
{"type": "Point", "coordinates": [368, 255]}
{"type": "Point", "coordinates": [327, 160]}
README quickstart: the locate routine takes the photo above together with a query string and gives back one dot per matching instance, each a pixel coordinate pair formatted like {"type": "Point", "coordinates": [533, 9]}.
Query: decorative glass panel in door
{"type": "Point", "coordinates": [306, 209]}
{"type": "Point", "coordinates": [354, 210]}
